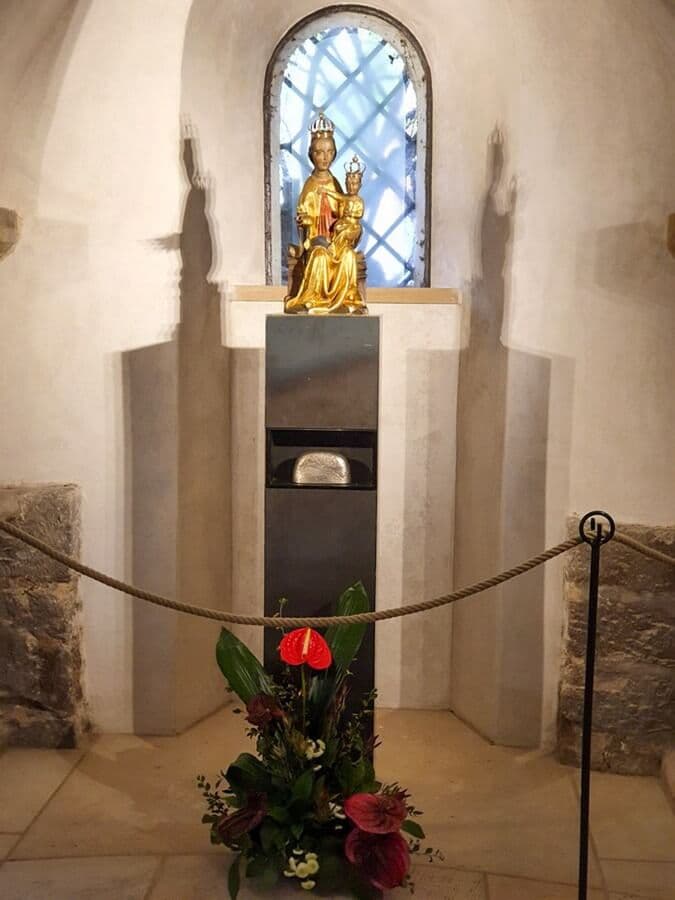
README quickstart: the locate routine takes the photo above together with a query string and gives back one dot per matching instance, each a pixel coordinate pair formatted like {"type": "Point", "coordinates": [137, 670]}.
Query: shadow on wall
{"type": "Point", "coordinates": [178, 432]}
{"type": "Point", "coordinates": [502, 448]}
{"type": "Point", "coordinates": [628, 262]}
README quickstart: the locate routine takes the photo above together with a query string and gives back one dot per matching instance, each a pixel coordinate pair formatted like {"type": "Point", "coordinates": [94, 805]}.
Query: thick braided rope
{"type": "Point", "coordinates": [310, 621]}
{"type": "Point", "coordinates": [643, 548]}
{"type": "Point", "coordinates": [285, 621]}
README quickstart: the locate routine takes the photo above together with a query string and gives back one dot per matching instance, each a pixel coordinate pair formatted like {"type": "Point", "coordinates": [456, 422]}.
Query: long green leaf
{"type": "Point", "coordinates": [345, 640]}
{"type": "Point", "coordinates": [412, 828]}
{"type": "Point", "coordinates": [234, 878]}
{"type": "Point", "coordinates": [247, 773]}
{"type": "Point", "coordinates": [242, 670]}
{"type": "Point", "coordinates": [302, 789]}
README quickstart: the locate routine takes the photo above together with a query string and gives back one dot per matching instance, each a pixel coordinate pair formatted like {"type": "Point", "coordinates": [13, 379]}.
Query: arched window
{"type": "Point", "coordinates": [368, 74]}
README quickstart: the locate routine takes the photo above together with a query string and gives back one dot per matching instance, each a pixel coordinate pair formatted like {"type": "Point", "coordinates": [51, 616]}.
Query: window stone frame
{"type": "Point", "coordinates": [400, 37]}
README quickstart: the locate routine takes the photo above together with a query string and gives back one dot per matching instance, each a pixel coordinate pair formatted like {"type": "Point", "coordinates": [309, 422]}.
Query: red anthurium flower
{"type": "Point", "coordinates": [233, 826]}
{"type": "Point", "coordinates": [382, 859]}
{"type": "Point", "coordinates": [376, 813]}
{"type": "Point", "coordinates": [304, 645]}
{"type": "Point", "coordinates": [263, 709]}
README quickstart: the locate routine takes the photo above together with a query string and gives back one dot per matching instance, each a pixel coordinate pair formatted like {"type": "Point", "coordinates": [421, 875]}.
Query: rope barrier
{"type": "Point", "coordinates": [316, 621]}
{"type": "Point", "coordinates": [643, 548]}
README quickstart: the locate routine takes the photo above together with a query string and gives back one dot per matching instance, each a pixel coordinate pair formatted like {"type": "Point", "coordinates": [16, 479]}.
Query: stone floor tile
{"type": "Point", "coordinates": [134, 794]}
{"type": "Point", "coordinates": [108, 878]}
{"type": "Point", "coordinates": [192, 877]}
{"type": "Point", "coordinates": [489, 809]}
{"type": "Point", "coordinates": [506, 888]}
{"type": "Point", "coordinates": [434, 882]}
{"type": "Point", "coordinates": [485, 807]}
{"type": "Point", "coordinates": [28, 778]}
{"type": "Point", "coordinates": [631, 818]}
{"type": "Point", "coordinates": [655, 880]}
{"type": "Point", "coordinates": [7, 841]}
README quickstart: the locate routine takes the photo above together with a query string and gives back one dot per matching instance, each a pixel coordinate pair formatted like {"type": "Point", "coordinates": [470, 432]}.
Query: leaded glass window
{"type": "Point", "coordinates": [366, 77]}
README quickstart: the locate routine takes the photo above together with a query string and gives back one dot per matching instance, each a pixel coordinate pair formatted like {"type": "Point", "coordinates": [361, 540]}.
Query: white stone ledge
{"type": "Point", "coordinates": [416, 327]}
{"type": "Point", "coordinates": [261, 293]}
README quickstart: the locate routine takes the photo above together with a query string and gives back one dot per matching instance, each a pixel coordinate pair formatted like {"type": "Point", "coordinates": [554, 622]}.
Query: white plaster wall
{"type": "Point", "coordinates": [91, 94]}
{"type": "Point", "coordinates": [92, 162]}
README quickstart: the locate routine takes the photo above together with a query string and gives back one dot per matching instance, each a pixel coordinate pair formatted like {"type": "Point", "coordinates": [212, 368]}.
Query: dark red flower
{"type": "Point", "coordinates": [263, 709]}
{"type": "Point", "coordinates": [233, 826]}
{"type": "Point", "coordinates": [376, 813]}
{"type": "Point", "coordinates": [304, 645]}
{"type": "Point", "coordinates": [382, 859]}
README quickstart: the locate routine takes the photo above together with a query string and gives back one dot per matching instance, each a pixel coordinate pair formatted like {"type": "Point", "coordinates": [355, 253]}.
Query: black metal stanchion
{"type": "Point", "coordinates": [597, 534]}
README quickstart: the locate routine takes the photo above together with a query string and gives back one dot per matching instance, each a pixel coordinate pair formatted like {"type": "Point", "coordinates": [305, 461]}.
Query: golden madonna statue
{"type": "Point", "coordinates": [326, 272]}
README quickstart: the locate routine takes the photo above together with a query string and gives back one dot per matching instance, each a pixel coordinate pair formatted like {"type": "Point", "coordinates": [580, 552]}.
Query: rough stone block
{"type": "Point", "coordinates": [50, 513]}
{"type": "Point", "coordinates": [624, 567]}
{"type": "Point", "coordinates": [634, 698]}
{"type": "Point", "coordinates": [41, 701]}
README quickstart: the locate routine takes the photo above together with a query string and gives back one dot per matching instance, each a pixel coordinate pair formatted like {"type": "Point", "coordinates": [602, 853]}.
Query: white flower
{"type": "Point", "coordinates": [297, 851]}
{"type": "Point", "coordinates": [336, 810]}
{"type": "Point", "coordinates": [312, 866]}
{"type": "Point", "coordinates": [290, 873]}
{"type": "Point", "coordinates": [314, 749]}
{"type": "Point", "coordinates": [307, 885]}
{"type": "Point", "coordinates": [302, 870]}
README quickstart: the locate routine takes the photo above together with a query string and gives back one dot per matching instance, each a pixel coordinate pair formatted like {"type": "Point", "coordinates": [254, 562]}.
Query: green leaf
{"type": "Point", "coordinates": [279, 814]}
{"type": "Point", "coordinates": [302, 789]}
{"type": "Point", "coordinates": [355, 777]}
{"type": "Point", "coordinates": [234, 878]}
{"type": "Point", "coordinates": [247, 773]}
{"type": "Point", "coordinates": [271, 837]}
{"type": "Point", "coordinates": [256, 866]}
{"type": "Point", "coordinates": [318, 788]}
{"type": "Point", "coordinates": [345, 640]}
{"type": "Point", "coordinates": [270, 875]}
{"type": "Point", "coordinates": [333, 873]}
{"type": "Point", "coordinates": [412, 828]}
{"type": "Point", "coordinates": [242, 670]}
{"type": "Point", "coordinates": [321, 690]}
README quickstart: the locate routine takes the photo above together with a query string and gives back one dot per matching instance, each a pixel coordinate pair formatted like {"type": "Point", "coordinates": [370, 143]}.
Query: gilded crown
{"type": "Point", "coordinates": [355, 166]}
{"type": "Point", "coordinates": [321, 125]}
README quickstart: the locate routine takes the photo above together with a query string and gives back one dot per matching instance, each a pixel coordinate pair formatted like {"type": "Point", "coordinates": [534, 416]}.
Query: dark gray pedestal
{"type": "Point", "coordinates": [322, 377]}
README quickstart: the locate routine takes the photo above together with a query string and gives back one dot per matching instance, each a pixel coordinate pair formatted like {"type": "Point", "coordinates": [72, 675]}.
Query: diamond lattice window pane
{"type": "Point", "coordinates": [360, 81]}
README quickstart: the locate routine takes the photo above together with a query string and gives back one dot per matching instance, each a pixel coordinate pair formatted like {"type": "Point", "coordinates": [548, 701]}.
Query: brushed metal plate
{"type": "Point", "coordinates": [321, 467]}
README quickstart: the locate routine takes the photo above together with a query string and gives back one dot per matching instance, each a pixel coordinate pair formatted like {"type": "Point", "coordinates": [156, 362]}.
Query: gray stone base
{"type": "Point", "coordinates": [41, 701]}
{"type": "Point", "coordinates": [634, 699]}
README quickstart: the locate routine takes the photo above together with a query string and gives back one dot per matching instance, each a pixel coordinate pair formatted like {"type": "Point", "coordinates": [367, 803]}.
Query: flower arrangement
{"type": "Point", "coordinates": [307, 808]}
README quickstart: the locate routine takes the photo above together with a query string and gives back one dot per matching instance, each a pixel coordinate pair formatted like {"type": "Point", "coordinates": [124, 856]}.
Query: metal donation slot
{"type": "Point", "coordinates": [322, 467]}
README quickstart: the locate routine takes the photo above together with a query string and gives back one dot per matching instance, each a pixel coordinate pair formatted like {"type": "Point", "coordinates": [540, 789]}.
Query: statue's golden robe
{"type": "Point", "coordinates": [330, 279]}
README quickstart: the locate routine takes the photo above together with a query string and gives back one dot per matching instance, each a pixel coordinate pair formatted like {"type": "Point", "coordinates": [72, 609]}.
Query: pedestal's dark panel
{"type": "Point", "coordinates": [318, 541]}
{"type": "Point", "coordinates": [322, 381]}
{"type": "Point", "coordinates": [322, 371]}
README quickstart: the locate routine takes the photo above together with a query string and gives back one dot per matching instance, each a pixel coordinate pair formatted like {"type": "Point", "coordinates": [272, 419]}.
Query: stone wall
{"type": "Point", "coordinates": [41, 701]}
{"type": "Point", "coordinates": [634, 701]}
